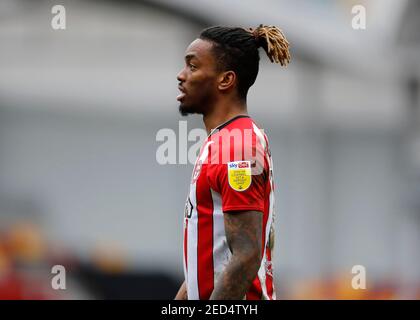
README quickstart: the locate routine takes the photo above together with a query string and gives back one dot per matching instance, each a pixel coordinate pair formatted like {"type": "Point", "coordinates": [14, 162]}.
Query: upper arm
{"type": "Point", "coordinates": [244, 233]}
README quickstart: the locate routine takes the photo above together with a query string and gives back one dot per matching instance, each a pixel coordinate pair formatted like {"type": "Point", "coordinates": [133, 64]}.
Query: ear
{"type": "Point", "coordinates": [226, 80]}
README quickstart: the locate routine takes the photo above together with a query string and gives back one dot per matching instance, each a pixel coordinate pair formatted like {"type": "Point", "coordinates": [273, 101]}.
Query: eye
{"type": "Point", "coordinates": [192, 67]}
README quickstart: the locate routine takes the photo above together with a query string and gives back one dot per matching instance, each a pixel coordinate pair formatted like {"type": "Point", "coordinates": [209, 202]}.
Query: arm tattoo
{"type": "Point", "coordinates": [244, 237]}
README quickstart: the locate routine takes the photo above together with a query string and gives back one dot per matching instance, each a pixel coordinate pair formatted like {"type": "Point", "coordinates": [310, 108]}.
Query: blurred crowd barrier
{"type": "Point", "coordinates": [27, 258]}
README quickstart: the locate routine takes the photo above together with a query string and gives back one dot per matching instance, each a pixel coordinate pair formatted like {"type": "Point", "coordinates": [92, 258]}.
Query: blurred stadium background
{"type": "Point", "coordinates": [79, 113]}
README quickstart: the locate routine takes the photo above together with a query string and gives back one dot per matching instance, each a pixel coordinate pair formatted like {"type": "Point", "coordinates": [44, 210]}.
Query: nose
{"type": "Point", "coordinates": [181, 76]}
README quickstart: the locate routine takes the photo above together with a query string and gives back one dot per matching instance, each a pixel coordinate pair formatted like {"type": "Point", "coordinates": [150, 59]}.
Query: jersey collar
{"type": "Point", "coordinates": [224, 124]}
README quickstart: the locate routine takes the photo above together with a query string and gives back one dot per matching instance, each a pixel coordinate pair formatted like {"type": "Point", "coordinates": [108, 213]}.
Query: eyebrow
{"type": "Point", "coordinates": [190, 56]}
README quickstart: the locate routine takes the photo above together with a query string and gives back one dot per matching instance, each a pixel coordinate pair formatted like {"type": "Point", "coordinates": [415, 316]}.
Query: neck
{"type": "Point", "coordinates": [222, 113]}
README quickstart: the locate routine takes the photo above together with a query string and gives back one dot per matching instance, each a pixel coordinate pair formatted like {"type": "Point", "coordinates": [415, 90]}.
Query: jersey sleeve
{"type": "Point", "coordinates": [241, 179]}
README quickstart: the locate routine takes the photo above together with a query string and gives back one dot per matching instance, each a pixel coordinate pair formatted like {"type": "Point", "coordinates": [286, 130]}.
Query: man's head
{"type": "Point", "coordinates": [223, 62]}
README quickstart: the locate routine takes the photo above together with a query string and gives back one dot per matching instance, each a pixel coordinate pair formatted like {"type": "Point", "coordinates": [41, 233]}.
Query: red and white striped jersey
{"type": "Point", "coordinates": [233, 172]}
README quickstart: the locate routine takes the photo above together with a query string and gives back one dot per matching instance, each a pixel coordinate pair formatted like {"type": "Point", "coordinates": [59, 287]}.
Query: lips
{"type": "Point", "coordinates": [182, 94]}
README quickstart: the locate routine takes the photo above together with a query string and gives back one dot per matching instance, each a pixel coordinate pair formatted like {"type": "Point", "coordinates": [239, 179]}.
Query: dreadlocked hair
{"type": "Point", "coordinates": [236, 49]}
{"type": "Point", "coordinates": [274, 42]}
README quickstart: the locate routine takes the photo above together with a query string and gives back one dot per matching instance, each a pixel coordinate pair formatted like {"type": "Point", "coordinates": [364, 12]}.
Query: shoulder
{"type": "Point", "coordinates": [240, 127]}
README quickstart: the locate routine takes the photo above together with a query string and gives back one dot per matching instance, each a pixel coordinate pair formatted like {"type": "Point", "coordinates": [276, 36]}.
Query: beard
{"type": "Point", "coordinates": [185, 110]}
{"type": "Point", "coordinates": [195, 104]}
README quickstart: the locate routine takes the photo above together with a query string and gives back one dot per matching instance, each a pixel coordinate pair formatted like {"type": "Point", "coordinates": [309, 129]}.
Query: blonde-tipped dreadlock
{"type": "Point", "coordinates": [274, 43]}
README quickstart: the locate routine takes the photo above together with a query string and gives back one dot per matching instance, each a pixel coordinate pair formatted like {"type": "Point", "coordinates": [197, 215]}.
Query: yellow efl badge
{"type": "Point", "coordinates": [239, 174]}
